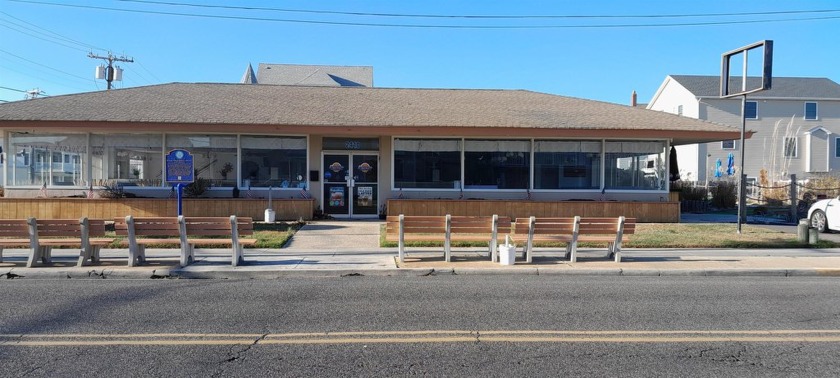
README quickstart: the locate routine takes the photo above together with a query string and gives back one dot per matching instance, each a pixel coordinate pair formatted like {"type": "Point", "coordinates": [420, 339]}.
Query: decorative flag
{"type": "Point", "coordinates": [43, 191]}
{"type": "Point", "coordinates": [528, 196]}
{"type": "Point", "coordinates": [401, 195]}
{"type": "Point", "coordinates": [90, 192]}
{"type": "Point", "coordinates": [248, 193]}
{"type": "Point", "coordinates": [462, 194]}
{"type": "Point", "coordinates": [304, 194]}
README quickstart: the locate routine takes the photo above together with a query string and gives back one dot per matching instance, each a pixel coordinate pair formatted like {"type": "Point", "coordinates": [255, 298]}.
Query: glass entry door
{"type": "Point", "coordinates": [351, 184]}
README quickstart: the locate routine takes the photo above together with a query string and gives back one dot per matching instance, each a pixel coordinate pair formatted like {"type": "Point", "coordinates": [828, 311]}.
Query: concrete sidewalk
{"type": "Point", "coordinates": [350, 248]}
{"type": "Point", "coordinates": [277, 263]}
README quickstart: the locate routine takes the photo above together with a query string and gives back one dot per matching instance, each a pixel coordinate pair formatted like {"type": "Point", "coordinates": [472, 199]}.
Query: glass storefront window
{"type": "Point", "coordinates": [496, 164]}
{"type": "Point", "coordinates": [427, 163]}
{"type": "Point", "coordinates": [214, 156]}
{"type": "Point", "coordinates": [130, 159]}
{"type": "Point", "coordinates": [52, 159]}
{"type": "Point", "coordinates": [560, 164]}
{"type": "Point", "coordinates": [635, 165]}
{"type": "Point", "coordinates": [273, 161]}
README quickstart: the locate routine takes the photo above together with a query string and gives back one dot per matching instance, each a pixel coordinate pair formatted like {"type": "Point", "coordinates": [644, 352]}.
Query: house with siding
{"type": "Point", "coordinates": [796, 126]}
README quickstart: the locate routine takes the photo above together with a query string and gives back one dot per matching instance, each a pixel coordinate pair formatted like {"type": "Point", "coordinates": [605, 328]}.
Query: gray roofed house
{"type": "Point", "coordinates": [783, 87]}
{"type": "Point", "coordinates": [327, 140]}
{"type": "Point", "coordinates": [796, 125]}
{"type": "Point", "coordinates": [312, 75]}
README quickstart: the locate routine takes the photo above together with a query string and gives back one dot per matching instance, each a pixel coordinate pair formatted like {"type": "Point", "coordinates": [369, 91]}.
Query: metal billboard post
{"type": "Point", "coordinates": [765, 84]}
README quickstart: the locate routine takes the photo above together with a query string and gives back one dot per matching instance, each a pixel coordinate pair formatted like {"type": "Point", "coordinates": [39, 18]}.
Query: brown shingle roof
{"type": "Point", "coordinates": [345, 106]}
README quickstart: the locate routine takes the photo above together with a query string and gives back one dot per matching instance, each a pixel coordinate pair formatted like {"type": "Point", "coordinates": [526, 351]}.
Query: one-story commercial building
{"type": "Point", "coordinates": [349, 148]}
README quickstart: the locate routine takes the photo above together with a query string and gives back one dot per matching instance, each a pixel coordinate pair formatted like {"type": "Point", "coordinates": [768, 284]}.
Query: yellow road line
{"type": "Point", "coordinates": [427, 336]}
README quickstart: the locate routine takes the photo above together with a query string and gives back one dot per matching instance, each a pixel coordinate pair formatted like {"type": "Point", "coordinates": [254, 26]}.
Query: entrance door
{"type": "Point", "coordinates": [351, 184]}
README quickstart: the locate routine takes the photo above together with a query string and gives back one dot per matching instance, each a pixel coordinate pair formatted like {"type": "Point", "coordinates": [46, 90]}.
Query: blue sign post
{"type": "Point", "coordinates": [180, 170]}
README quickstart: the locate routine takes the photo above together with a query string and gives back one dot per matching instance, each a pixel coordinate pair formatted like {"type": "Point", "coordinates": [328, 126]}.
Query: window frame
{"type": "Point", "coordinates": [795, 147]}
{"type": "Point", "coordinates": [816, 111]}
{"type": "Point", "coordinates": [755, 115]}
{"type": "Point", "coordinates": [723, 147]}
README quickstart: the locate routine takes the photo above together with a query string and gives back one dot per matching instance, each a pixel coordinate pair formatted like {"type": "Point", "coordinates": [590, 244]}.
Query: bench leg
{"type": "Point", "coordinates": [568, 254]}
{"type": "Point", "coordinates": [42, 254]}
{"type": "Point", "coordinates": [137, 256]}
{"type": "Point", "coordinates": [187, 254]}
{"type": "Point", "coordinates": [237, 258]}
{"type": "Point", "coordinates": [89, 257]}
{"type": "Point", "coordinates": [401, 251]}
{"type": "Point", "coordinates": [573, 251]}
{"type": "Point", "coordinates": [1, 254]}
{"type": "Point", "coordinates": [34, 256]}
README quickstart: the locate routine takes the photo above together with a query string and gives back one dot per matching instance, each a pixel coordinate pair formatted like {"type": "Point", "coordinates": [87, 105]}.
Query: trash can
{"type": "Point", "coordinates": [269, 216]}
{"type": "Point", "coordinates": [507, 254]}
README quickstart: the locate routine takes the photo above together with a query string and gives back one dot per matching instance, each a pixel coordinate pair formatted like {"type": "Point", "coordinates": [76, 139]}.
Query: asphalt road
{"type": "Point", "coordinates": [435, 325]}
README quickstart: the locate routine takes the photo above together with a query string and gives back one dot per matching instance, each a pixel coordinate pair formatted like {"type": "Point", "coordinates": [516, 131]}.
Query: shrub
{"type": "Point", "coordinates": [724, 195]}
{"type": "Point", "coordinates": [197, 187]}
{"type": "Point", "coordinates": [112, 190]}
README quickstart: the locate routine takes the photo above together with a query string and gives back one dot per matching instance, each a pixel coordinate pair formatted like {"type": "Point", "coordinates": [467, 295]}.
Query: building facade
{"type": "Point", "coordinates": [350, 148]}
{"type": "Point", "coordinates": [796, 126]}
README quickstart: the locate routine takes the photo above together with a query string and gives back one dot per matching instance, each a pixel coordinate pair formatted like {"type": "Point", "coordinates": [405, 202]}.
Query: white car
{"type": "Point", "coordinates": [824, 215]}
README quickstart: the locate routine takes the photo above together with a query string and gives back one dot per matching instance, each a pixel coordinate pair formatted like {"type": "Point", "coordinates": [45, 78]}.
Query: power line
{"type": "Point", "coordinates": [428, 26]}
{"type": "Point", "coordinates": [420, 15]}
{"type": "Point", "coordinates": [47, 33]}
{"type": "Point", "coordinates": [39, 64]}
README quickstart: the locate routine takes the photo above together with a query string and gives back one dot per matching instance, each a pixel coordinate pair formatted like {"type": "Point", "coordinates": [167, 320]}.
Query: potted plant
{"type": "Point", "coordinates": [226, 169]}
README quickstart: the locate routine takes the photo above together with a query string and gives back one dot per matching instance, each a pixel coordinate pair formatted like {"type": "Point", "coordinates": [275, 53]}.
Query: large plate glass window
{"type": "Point", "coordinates": [273, 161]}
{"type": "Point", "coordinates": [565, 164]}
{"type": "Point", "coordinates": [427, 163]}
{"type": "Point", "coordinates": [496, 164]}
{"type": "Point", "coordinates": [212, 155]}
{"type": "Point", "coordinates": [52, 160]}
{"type": "Point", "coordinates": [128, 159]}
{"type": "Point", "coordinates": [635, 165]}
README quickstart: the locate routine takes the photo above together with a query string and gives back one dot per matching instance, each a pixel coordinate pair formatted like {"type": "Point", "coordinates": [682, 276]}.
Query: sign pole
{"type": "Point", "coordinates": [179, 189]}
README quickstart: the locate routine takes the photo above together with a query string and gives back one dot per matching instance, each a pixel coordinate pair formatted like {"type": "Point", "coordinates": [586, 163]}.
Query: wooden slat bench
{"type": "Point", "coordinates": [40, 236]}
{"type": "Point", "coordinates": [477, 229]}
{"type": "Point", "coordinates": [612, 231]}
{"type": "Point", "coordinates": [556, 230]}
{"type": "Point", "coordinates": [197, 229]}
{"type": "Point", "coordinates": [446, 229]}
{"type": "Point", "coordinates": [140, 232]}
{"type": "Point", "coordinates": [187, 233]}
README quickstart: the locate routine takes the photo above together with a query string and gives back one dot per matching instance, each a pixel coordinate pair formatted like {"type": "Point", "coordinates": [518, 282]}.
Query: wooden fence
{"type": "Point", "coordinates": [55, 208]}
{"type": "Point", "coordinates": [647, 212]}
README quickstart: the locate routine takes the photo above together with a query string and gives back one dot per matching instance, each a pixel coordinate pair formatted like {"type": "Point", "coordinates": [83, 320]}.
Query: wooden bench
{"type": "Point", "coordinates": [555, 230]}
{"type": "Point", "coordinates": [612, 231]}
{"type": "Point", "coordinates": [186, 232]}
{"type": "Point", "coordinates": [196, 230]}
{"type": "Point", "coordinates": [140, 232]}
{"type": "Point", "coordinates": [40, 236]}
{"type": "Point", "coordinates": [446, 229]}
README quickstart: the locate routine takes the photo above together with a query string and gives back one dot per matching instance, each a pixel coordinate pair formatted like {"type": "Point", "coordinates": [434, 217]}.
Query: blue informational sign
{"type": "Point", "coordinates": [180, 168]}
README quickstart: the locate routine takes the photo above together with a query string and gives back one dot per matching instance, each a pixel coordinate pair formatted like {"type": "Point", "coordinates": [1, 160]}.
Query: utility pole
{"type": "Point", "coordinates": [110, 73]}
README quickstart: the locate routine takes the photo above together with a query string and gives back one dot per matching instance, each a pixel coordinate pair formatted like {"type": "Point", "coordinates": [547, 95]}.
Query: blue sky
{"type": "Point", "coordinates": [44, 45]}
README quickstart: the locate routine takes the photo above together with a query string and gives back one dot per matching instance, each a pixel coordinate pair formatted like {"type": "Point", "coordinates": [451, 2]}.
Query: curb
{"type": "Point", "coordinates": [187, 273]}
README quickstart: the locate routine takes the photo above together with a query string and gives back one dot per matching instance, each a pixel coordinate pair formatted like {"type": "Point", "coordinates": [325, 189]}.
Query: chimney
{"type": "Point", "coordinates": [633, 99]}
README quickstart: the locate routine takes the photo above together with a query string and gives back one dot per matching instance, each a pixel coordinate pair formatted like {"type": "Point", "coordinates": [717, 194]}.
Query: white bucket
{"type": "Point", "coordinates": [269, 216]}
{"type": "Point", "coordinates": [507, 254]}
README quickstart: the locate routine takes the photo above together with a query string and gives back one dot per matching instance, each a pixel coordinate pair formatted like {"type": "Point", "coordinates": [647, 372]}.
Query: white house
{"type": "Point", "coordinates": [796, 125]}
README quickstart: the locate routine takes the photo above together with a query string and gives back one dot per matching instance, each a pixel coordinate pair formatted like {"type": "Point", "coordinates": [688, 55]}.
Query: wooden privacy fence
{"type": "Point", "coordinates": [646, 212]}
{"type": "Point", "coordinates": [58, 208]}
